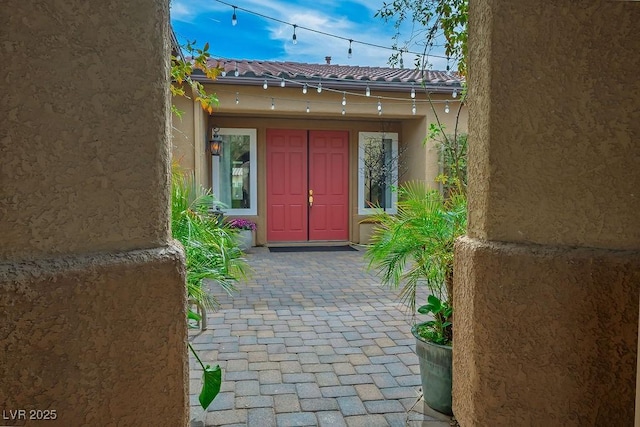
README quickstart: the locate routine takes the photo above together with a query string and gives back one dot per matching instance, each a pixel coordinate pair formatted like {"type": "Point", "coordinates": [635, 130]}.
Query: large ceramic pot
{"type": "Point", "coordinates": [435, 371]}
{"type": "Point", "coordinates": [245, 239]}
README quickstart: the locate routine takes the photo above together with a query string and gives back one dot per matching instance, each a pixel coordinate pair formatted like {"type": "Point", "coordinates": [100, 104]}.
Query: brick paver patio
{"type": "Point", "coordinates": [311, 339]}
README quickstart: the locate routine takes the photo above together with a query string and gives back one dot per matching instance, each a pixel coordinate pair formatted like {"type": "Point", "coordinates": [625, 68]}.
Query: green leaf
{"type": "Point", "coordinates": [193, 316]}
{"type": "Point", "coordinates": [211, 381]}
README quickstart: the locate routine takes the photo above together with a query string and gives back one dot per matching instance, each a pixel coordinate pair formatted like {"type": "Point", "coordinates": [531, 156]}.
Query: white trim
{"type": "Point", "coordinates": [362, 138]}
{"type": "Point", "coordinates": [253, 171]}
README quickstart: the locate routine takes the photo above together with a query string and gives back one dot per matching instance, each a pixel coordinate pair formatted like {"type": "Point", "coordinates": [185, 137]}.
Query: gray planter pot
{"type": "Point", "coordinates": [245, 239]}
{"type": "Point", "coordinates": [435, 371]}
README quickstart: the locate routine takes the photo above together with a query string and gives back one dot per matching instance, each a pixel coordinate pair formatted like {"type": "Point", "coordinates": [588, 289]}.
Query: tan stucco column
{"type": "Point", "coordinates": [546, 283]}
{"type": "Point", "coordinates": [92, 295]}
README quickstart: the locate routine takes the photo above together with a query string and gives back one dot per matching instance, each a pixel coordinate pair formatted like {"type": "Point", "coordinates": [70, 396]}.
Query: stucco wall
{"type": "Point", "coordinates": [78, 106]}
{"type": "Point", "coordinates": [100, 339]}
{"type": "Point", "coordinates": [546, 284]}
{"type": "Point", "coordinates": [544, 335]}
{"type": "Point", "coordinates": [92, 289]}
{"type": "Point", "coordinates": [559, 85]}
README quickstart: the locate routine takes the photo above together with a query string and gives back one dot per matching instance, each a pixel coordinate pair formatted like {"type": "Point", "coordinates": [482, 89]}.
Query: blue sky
{"type": "Point", "coordinates": [258, 38]}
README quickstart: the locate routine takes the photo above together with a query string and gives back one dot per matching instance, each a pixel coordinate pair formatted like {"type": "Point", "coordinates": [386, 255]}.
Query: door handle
{"type": "Point", "coordinates": [310, 198]}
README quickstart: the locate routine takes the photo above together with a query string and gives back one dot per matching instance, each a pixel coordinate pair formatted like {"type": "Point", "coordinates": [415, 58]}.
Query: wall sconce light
{"type": "Point", "coordinates": [215, 143]}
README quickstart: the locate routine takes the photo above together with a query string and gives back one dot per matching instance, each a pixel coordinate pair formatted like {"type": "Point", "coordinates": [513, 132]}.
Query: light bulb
{"type": "Point", "coordinates": [304, 88]}
{"type": "Point", "coordinates": [413, 108]}
{"type": "Point", "coordinates": [308, 107]}
{"type": "Point", "coordinates": [413, 91]}
{"type": "Point", "coordinates": [455, 93]}
{"type": "Point", "coordinates": [446, 107]}
{"type": "Point", "coordinates": [265, 85]}
{"type": "Point", "coordinates": [343, 111]}
{"type": "Point", "coordinates": [282, 84]}
{"type": "Point", "coordinates": [367, 91]}
{"type": "Point", "coordinates": [236, 72]}
{"type": "Point", "coordinates": [273, 105]}
{"type": "Point", "coordinates": [379, 106]}
{"type": "Point", "coordinates": [234, 18]}
{"type": "Point", "coordinates": [344, 99]}
{"type": "Point", "coordinates": [350, 53]}
{"type": "Point", "coordinates": [237, 98]}
{"type": "Point", "coordinates": [320, 87]}
{"type": "Point", "coordinates": [295, 38]}
{"type": "Point", "coordinates": [223, 73]}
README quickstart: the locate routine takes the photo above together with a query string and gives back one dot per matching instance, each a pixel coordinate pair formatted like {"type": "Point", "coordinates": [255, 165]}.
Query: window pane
{"type": "Point", "coordinates": [235, 174]}
{"type": "Point", "coordinates": [378, 171]}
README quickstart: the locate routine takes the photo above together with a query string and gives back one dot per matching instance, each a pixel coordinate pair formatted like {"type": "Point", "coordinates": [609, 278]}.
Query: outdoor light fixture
{"type": "Point", "coordinates": [215, 143]}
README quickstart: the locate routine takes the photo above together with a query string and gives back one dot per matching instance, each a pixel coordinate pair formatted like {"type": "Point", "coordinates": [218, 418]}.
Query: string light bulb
{"type": "Point", "coordinates": [413, 92]}
{"type": "Point", "coordinates": [448, 68]}
{"type": "Point", "coordinates": [234, 18]}
{"type": "Point", "coordinates": [367, 91]}
{"type": "Point", "coordinates": [295, 38]}
{"type": "Point", "coordinates": [237, 98]}
{"type": "Point", "coordinates": [343, 111]}
{"type": "Point", "coordinates": [304, 89]}
{"type": "Point", "coordinates": [401, 60]}
{"type": "Point", "coordinates": [273, 104]}
{"type": "Point", "coordinates": [350, 53]}
{"type": "Point", "coordinates": [379, 107]}
{"type": "Point", "coordinates": [265, 85]}
{"type": "Point", "coordinates": [455, 93]}
{"type": "Point", "coordinates": [320, 87]}
{"type": "Point", "coordinates": [236, 72]}
{"type": "Point", "coordinates": [282, 84]}
{"type": "Point", "coordinates": [344, 99]}
{"type": "Point", "coordinates": [308, 109]}
{"type": "Point", "coordinates": [413, 108]}
{"type": "Point", "coordinates": [446, 107]}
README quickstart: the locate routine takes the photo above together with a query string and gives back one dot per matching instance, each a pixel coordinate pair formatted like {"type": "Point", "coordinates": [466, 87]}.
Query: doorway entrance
{"type": "Point", "coordinates": [307, 185]}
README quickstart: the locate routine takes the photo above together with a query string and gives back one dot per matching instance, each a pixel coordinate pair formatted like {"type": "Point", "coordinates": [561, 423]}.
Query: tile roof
{"type": "Point", "coordinates": [327, 73]}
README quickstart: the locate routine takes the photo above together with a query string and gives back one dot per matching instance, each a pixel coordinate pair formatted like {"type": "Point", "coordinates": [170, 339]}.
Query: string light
{"type": "Point", "coordinates": [308, 109]}
{"type": "Point", "coordinates": [455, 93]}
{"type": "Point", "coordinates": [401, 60]}
{"type": "Point", "coordinates": [234, 18]}
{"type": "Point", "coordinates": [282, 84]}
{"type": "Point", "coordinates": [304, 89]}
{"type": "Point", "coordinates": [413, 92]}
{"type": "Point", "coordinates": [324, 33]}
{"type": "Point", "coordinates": [350, 54]}
{"type": "Point", "coordinates": [237, 98]}
{"type": "Point", "coordinates": [273, 104]}
{"type": "Point", "coordinates": [367, 91]}
{"type": "Point", "coordinates": [448, 68]}
{"type": "Point", "coordinates": [320, 87]}
{"type": "Point", "coordinates": [413, 108]}
{"type": "Point", "coordinates": [379, 107]}
{"type": "Point", "coordinates": [343, 111]}
{"type": "Point", "coordinates": [265, 85]}
{"type": "Point", "coordinates": [446, 107]}
{"type": "Point", "coordinates": [236, 72]}
{"type": "Point", "coordinates": [344, 99]}
{"type": "Point", "coordinates": [295, 38]}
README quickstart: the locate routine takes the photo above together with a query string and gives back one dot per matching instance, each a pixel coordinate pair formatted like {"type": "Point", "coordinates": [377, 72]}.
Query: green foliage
{"type": "Point", "coordinates": [211, 253]}
{"type": "Point", "coordinates": [439, 330]}
{"type": "Point", "coordinates": [182, 69]}
{"type": "Point", "coordinates": [431, 19]}
{"type": "Point", "coordinates": [415, 246]}
{"type": "Point", "coordinates": [453, 160]}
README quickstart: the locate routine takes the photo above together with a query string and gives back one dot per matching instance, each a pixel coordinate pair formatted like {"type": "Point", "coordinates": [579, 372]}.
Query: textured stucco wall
{"type": "Point", "coordinates": [555, 117]}
{"type": "Point", "coordinates": [81, 125]}
{"type": "Point", "coordinates": [544, 336]}
{"type": "Point", "coordinates": [101, 339]}
{"type": "Point", "coordinates": [92, 290]}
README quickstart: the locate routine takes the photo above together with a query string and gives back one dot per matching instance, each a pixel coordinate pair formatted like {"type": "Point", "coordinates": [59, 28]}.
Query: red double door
{"type": "Point", "coordinates": [307, 185]}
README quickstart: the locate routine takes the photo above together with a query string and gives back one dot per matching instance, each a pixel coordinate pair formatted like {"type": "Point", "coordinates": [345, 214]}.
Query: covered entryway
{"type": "Point", "coordinates": [307, 185]}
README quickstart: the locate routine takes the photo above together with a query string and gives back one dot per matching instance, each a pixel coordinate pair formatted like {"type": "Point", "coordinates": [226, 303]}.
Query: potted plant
{"type": "Point", "coordinates": [415, 248]}
{"type": "Point", "coordinates": [246, 229]}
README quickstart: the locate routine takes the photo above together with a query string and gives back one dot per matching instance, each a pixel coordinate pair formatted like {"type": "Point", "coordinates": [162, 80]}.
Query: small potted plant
{"type": "Point", "coordinates": [415, 248]}
{"type": "Point", "coordinates": [246, 232]}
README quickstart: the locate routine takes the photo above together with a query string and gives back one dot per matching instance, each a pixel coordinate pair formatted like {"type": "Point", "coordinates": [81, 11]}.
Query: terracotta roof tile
{"type": "Point", "coordinates": [303, 71]}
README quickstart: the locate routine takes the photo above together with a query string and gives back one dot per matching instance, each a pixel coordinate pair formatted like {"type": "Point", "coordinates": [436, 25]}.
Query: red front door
{"type": "Point", "coordinates": [300, 165]}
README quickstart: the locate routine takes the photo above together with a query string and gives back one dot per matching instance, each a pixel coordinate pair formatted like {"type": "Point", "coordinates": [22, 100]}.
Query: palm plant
{"type": "Point", "coordinates": [415, 247]}
{"type": "Point", "coordinates": [211, 252]}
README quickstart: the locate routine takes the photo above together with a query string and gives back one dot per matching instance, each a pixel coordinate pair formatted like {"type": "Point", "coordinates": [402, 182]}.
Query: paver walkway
{"type": "Point", "coordinates": [311, 339]}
